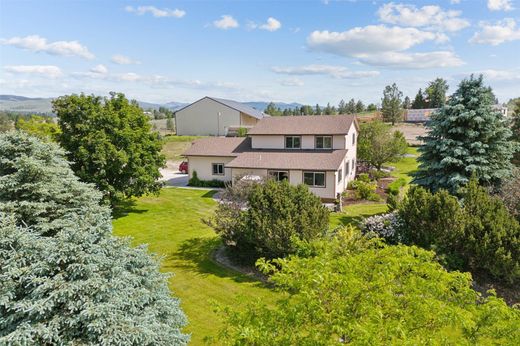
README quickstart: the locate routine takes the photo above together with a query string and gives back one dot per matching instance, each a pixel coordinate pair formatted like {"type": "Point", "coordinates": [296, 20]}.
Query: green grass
{"type": "Point", "coordinates": [406, 165]}
{"type": "Point", "coordinates": [171, 225]}
{"type": "Point", "coordinates": [174, 146]}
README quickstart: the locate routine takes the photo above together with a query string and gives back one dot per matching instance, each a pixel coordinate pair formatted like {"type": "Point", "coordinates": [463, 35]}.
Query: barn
{"type": "Point", "coordinates": [211, 116]}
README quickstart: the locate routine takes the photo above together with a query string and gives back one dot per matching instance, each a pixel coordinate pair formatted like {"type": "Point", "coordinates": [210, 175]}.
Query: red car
{"type": "Point", "coordinates": [183, 167]}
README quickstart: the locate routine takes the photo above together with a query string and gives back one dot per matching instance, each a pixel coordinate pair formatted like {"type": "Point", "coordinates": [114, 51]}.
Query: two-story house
{"type": "Point", "coordinates": [319, 151]}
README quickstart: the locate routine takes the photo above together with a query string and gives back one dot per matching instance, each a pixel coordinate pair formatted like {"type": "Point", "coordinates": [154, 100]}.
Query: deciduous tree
{"type": "Point", "coordinates": [391, 108]}
{"type": "Point", "coordinates": [377, 144]}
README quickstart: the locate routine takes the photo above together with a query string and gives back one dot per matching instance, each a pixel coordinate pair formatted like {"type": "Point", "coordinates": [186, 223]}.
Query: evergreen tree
{"type": "Point", "coordinates": [271, 109]}
{"type": "Point", "coordinates": [351, 106]}
{"type": "Point", "coordinates": [65, 279]}
{"type": "Point", "coordinates": [371, 108]}
{"type": "Point", "coordinates": [307, 110]}
{"type": "Point", "coordinates": [407, 104]}
{"type": "Point", "coordinates": [360, 107]}
{"type": "Point", "coordinates": [342, 109]}
{"type": "Point", "coordinates": [419, 102]}
{"type": "Point", "coordinates": [436, 92]}
{"type": "Point", "coordinates": [516, 131]}
{"type": "Point", "coordinates": [465, 137]}
{"type": "Point", "coordinates": [317, 110]}
{"type": "Point", "coordinates": [110, 143]}
{"type": "Point", "coordinates": [391, 104]}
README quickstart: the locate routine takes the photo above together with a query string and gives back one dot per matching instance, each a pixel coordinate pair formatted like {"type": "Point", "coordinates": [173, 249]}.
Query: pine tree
{"type": "Point", "coordinates": [465, 137]}
{"type": "Point", "coordinates": [360, 107]}
{"type": "Point", "coordinates": [407, 104]}
{"type": "Point", "coordinates": [436, 92]}
{"type": "Point", "coordinates": [328, 110]}
{"type": "Point", "coordinates": [342, 107]}
{"type": "Point", "coordinates": [317, 110]}
{"type": "Point", "coordinates": [419, 102]}
{"type": "Point", "coordinates": [65, 279]}
{"type": "Point", "coordinates": [516, 131]}
{"type": "Point", "coordinates": [391, 104]}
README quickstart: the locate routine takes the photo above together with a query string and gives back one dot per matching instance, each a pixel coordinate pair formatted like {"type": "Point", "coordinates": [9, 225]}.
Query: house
{"type": "Point", "coordinates": [211, 116]}
{"type": "Point", "coordinates": [319, 151]}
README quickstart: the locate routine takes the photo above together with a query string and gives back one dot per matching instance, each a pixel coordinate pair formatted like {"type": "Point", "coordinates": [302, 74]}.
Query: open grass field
{"type": "Point", "coordinates": [174, 146]}
{"type": "Point", "coordinates": [171, 225]}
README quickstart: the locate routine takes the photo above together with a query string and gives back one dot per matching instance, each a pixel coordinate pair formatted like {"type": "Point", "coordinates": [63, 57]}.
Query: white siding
{"type": "Point", "coordinates": [201, 118]}
{"type": "Point", "coordinates": [307, 141]}
{"type": "Point", "coordinates": [204, 168]}
{"type": "Point", "coordinates": [268, 142]}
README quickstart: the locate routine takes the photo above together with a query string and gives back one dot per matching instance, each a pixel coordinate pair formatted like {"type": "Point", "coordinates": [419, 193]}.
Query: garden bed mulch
{"type": "Point", "coordinates": [382, 184]}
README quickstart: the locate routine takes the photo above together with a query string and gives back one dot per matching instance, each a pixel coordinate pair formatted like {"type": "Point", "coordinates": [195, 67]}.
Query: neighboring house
{"type": "Point", "coordinates": [319, 151]}
{"type": "Point", "coordinates": [423, 115]}
{"type": "Point", "coordinates": [211, 116]}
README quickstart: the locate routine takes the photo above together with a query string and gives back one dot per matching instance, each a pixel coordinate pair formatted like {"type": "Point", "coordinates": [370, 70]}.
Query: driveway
{"type": "Point", "coordinates": [171, 175]}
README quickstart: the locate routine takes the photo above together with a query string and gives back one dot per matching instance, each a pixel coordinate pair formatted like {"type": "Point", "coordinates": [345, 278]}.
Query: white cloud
{"type": "Point", "coordinates": [156, 12]}
{"type": "Point", "coordinates": [454, 2]}
{"type": "Point", "coordinates": [501, 75]}
{"type": "Point", "coordinates": [430, 17]}
{"type": "Point", "coordinates": [226, 22]}
{"type": "Point", "coordinates": [503, 31]}
{"type": "Point", "coordinates": [123, 60]}
{"type": "Point", "coordinates": [327, 70]}
{"type": "Point", "coordinates": [271, 25]}
{"type": "Point", "coordinates": [36, 43]}
{"type": "Point", "coordinates": [371, 39]}
{"type": "Point", "coordinates": [49, 71]}
{"type": "Point", "coordinates": [292, 82]}
{"type": "Point", "coordinates": [499, 5]}
{"type": "Point", "coordinates": [413, 60]}
{"type": "Point", "coordinates": [99, 69]}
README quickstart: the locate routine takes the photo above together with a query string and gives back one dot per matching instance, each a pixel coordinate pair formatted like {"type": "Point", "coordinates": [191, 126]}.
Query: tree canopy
{"type": "Point", "coordinates": [353, 290]}
{"type": "Point", "coordinates": [377, 144]}
{"type": "Point", "coordinates": [391, 106]}
{"type": "Point", "coordinates": [110, 143]}
{"type": "Point", "coordinates": [39, 126]}
{"type": "Point", "coordinates": [65, 278]}
{"type": "Point", "coordinates": [464, 137]}
{"type": "Point", "coordinates": [436, 92]}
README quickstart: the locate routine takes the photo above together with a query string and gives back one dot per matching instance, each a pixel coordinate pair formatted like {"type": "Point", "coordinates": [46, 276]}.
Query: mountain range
{"type": "Point", "coordinates": [22, 104]}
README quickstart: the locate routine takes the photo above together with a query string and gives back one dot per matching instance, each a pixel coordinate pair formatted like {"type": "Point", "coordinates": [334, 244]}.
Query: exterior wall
{"type": "Point", "coordinates": [268, 142]}
{"type": "Point", "coordinates": [308, 142]}
{"type": "Point", "coordinates": [248, 171]}
{"type": "Point", "coordinates": [247, 120]}
{"type": "Point", "coordinates": [203, 166]}
{"type": "Point", "coordinates": [329, 191]}
{"type": "Point", "coordinates": [418, 115]}
{"type": "Point", "coordinates": [201, 119]}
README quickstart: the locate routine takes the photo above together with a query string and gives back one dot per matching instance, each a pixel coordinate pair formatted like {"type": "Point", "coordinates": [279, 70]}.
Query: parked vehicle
{"type": "Point", "coordinates": [183, 167]}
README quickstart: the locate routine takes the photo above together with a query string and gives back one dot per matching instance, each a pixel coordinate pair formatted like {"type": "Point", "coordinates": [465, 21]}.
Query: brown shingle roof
{"type": "Point", "coordinates": [218, 146]}
{"type": "Point", "coordinates": [328, 160]}
{"type": "Point", "coordinates": [304, 125]}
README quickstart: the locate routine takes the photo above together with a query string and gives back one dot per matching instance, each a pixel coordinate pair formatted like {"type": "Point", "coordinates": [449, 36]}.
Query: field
{"type": "Point", "coordinates": [174, 146]}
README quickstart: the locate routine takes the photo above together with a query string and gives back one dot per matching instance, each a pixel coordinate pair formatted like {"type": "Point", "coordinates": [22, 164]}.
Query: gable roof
{"type": "Point", "coordinates": [238, 106]}
{"type": "Point", "coordinates": [304, 125]}
{"type": "Point", "coordinates": [218, 146]}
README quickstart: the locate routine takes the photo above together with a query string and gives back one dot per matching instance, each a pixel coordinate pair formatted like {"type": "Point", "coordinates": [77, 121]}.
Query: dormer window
{"type": "Point", "coordinates": [323, 142]}
{"type": "Point", "coordinates": [293, 142]}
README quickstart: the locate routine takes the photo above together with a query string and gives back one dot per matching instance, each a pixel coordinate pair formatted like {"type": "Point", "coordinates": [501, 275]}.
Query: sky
{"type": "Point", "coordinates": [286, 51]}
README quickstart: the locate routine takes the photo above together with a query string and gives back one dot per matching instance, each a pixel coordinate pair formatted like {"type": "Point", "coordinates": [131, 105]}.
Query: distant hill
{"type": "Point", "coordinates": [22, 104]}
{"type": "Point", "coordinates": [261, 105]}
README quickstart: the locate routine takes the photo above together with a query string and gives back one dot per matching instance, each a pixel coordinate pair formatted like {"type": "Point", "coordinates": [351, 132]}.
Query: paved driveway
{"type": "Point", "coordinates": [171, 175]}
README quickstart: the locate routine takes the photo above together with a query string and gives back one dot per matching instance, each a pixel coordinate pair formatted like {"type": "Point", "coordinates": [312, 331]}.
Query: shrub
{"type": "Point", "coordinates": [510, 193]}
{"type": "Point", "coordinates": [364, 188]}
{"type": "Point", "coordinates": [479, 235]}
{"type": "Point", "coordinates": [384, 225]}
{"type": "Point", "coordinates": [276, 217]}
{"type": "Point", "coordinates": [376, 175]}
{"type": "Point", "coordinates": [395, 187]}
{"type": "Point", "coordinates": [351, 290]}
{"type": "Point", "coordinates": [196, 182]}
{"type": "Point", "coordinates": [241, 132]}
{"type": "Point", "coordinates": [364, 177]}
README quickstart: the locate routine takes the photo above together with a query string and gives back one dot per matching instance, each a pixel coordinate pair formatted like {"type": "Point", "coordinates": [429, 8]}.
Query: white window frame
{"type": "Point", "coordinates": [292, 142]}
{"type": "Point", "coordinates": [314, 178]}
{"type": "Point", "coordinates": [213, 165]}
{"type": "Point", "coordinates": [323, 142]}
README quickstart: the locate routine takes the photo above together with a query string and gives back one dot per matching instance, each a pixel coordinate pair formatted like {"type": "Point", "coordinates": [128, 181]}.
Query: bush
{"type": "Point", "coordinates": [385, 226]}
{"type": "Point", "coordinates": [196, 182]}
{"type": "Point", "coordinates": [241, 132]}
{"type": "Point", "coordinates": [510, 193]}
{"type": "Point", "coordinates": [276, 217]}
{"type": "Point", "coordinates": [376, 175]}
{"type": "Point", "coordinates": [364, 177]}
{"type": "Point", "coordinates": [351, 290]}
{"type": "Point", "coordinates": [395, 187]}
{"type": "Point", "coordinates": [364, 188]}
{"type": "Point", "coordinates": [479, 235]}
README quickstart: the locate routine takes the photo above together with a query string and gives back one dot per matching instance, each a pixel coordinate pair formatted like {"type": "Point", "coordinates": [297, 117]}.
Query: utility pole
{"type": "Point", "coordinates": [218, 124]}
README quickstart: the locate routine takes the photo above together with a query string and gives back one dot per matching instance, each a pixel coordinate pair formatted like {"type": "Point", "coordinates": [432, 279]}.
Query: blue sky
{"type": "Point", "coordinates": [291, 51]}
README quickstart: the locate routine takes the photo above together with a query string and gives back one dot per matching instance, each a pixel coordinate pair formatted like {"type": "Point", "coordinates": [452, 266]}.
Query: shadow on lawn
{"type": "Point", "coordinates": [196, 253]}
{"type": "Point", "coordinates": [123, 208]}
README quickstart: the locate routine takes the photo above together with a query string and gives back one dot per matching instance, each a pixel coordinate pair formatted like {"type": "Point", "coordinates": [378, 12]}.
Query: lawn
{"type": "Point", "coordinates": [354, 213]}
{"type": "Point", "coordinates": [174, 146]}
{"type": "Point", "coordinates": [171, 225]}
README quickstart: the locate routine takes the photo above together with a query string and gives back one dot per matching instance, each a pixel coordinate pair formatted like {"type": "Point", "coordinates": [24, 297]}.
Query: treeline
{"type": "Point", "coordinates": [350, 107]}
{"type": "Point", "coordinates": [23, 121]}
{"type": "Point", "coordinates": [161, 113]}
{"type": "Point", "coordinates": [433, 96]}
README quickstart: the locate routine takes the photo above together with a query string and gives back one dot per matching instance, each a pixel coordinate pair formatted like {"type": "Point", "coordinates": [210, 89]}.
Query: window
{"type": "Point", "coordinates": [347, 168]}
{"type": "Point", "coordinates": [293, 142]}
{"type": "Point", "coordinates": [353, 138]}
{"type": "Point", "coordinates": [340, 175]}
{"type": "Point", "coordinates": [323, 142]}
{"type": "Point", "coordinates": [314, 179]}
{"type": "Point", "coordinates": [279, 175]}
{"type": "Point", "coordinates": [218, 168]}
